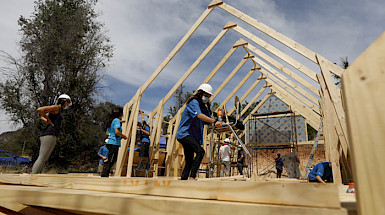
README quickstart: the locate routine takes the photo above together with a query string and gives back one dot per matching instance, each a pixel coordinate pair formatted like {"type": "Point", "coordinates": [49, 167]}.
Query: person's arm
{"type": "Point", "coordinates": [205, 118]}
{"type": "Point", "coordinates": [145, 132]}
{"type": "Point", "coordinates": [319, 179]}
{"type": "Point", "coordinates": [118, 133]}
{"type": "Point", "coordinates": [43, 111]}
{"type": "Point", "coordinates": [100, 155]}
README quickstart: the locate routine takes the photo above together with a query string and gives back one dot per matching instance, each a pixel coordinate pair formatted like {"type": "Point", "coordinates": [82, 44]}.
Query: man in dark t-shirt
{"type": "Point", "coordinates": [279, 165]}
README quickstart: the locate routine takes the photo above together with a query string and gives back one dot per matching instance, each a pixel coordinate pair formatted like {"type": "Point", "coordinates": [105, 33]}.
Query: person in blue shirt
{"type": "Point", "coordinates": [103, 154]}
{"type": "Point", "coordinates": [190, 130]}
{"type": "Point", "coordinates": [321, 173]}
{"type": "Point", "coordinates": [144, 138]}
{"type": "Point", "coordinates": [114, 130]}
{"type": "Point", "coordinates": [279, 165]}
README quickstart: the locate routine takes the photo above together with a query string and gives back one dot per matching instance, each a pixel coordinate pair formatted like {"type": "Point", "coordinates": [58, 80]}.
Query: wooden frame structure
{"type": "Point", "coordinates": [355, 135]}
{"type": "Point", "coordinates": [304, 97]}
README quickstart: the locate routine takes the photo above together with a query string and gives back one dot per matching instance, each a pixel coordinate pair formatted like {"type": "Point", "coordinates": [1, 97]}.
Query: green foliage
{"type": "Point", "coordinates": [180, 98]}
{"type": "Point", "coordinates": [248, 111]}
{"type": "Point", "coordinates": [64, 50]}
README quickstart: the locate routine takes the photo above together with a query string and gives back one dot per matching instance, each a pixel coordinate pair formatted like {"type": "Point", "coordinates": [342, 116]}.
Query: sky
{"type": "Point", "coordinates": [144, 32]}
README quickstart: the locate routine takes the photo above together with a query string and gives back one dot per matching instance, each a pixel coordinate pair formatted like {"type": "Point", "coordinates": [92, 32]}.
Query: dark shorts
{"type": "Point", "coordinates": [279, 170]}
{"type": "Point", "coordinates": [144, 148]}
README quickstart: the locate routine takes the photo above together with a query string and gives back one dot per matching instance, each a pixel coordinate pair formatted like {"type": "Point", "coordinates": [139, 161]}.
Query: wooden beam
{"type": "Point", "coordinates": [120, 203]}
{"type": "Point", "coordinates": [276, 35]}
{"type": "Point", "coordinates": [291, 61]}
{"type": "Point", "coordinates": [363, 94]}
{"type": "Point", "coordinates": [335, 94]}
{"type": "Point", "coordinates": [240, 191]}
{"type": "Point", "coordinates": [127, 126]}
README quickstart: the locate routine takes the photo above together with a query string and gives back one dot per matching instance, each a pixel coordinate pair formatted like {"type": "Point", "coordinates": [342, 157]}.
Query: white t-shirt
{"type": "Point", "coordinates": [224, 152]}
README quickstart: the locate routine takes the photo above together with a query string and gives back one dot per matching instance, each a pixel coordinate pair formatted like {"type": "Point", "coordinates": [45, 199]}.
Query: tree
{"type": "Point", "coordinates": [64, 50]}
{"type": "Point", "coordinates": [180, 98]}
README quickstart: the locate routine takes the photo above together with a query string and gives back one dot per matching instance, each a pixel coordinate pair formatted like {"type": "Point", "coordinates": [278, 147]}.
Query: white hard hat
{"type": "Point", "coordinates": [106, 141]}
{"type": "Point", "coordinates": [65, 96]}
{"type": "Point", "coordinates": [227, 140]}
{"type": "Point", "coordinates": [206, 88]}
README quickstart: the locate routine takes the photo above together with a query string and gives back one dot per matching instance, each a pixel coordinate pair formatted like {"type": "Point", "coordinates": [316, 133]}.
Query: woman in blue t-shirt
{"type": "Point", "coordinates": [190, 131]}
{"type": "Point", "coordinates": [114, 130]}
{"type": "Point", "coordinates": [52, 116]}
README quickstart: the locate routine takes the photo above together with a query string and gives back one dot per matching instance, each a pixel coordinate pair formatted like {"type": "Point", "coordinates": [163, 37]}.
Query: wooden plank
{"type": "Point", "coordinates": [337, 125]}
{"type": "Point", "coordinates": [331, 137]}
{"type": "Point", "coordinates": [135, 113]}
{"type": "Point", "coordinates": [114, 203]}
{"type": "Point", "coordinates": [127, 126]}
{"type": "Point", "coordinates": [240, 191]}
{"type": "Point", "coordinates": [18, 208]}
{"type": "Point", "coordinates": [275, 35]}
{"type": "Point", "coordinates": [300, 67]}
{"type": "Point", "coordinates": [335, 95]}
{"type": "Point", "coordinates": [363, 94]}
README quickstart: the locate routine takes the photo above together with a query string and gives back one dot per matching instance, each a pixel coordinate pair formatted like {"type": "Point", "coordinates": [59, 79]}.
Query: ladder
{"type": "Point", "coordinates": [311, 156]}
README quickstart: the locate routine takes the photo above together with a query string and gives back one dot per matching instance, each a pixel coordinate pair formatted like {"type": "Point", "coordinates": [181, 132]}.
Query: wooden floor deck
{"type": "Point", "coordinates": [88, 194]}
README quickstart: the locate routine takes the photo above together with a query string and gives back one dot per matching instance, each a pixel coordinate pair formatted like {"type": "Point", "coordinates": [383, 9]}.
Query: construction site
{"type": "Point", "coordinates": [350, 124]}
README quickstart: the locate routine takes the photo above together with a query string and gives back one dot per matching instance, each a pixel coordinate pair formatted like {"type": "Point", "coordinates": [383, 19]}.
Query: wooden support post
{"type": "Point", "coordinates": [335, 95]}
{"type": "Point", "coordinates": [331, 136]}
{"type": "Point", "coordinates": [127, 126]}
{"type": "Point", "coordinates": [135, 112]}
{"type": "Point", "coordinates": [363, 94]}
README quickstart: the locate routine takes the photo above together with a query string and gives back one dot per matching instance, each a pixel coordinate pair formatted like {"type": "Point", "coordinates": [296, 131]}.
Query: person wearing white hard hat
{"type": "Point", "coordinates": [190, 131]}
{"type": "Point", "coordinates": [224, 154]}
{"type": "Point", "coordinates": [52, 116]}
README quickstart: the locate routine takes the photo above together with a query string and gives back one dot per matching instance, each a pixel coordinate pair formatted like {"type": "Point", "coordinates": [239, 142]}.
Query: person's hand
{"type": "Point", "coordinates": [105, 159]}
{"type": "Point", "coordinates": [218, 124]}
{"type": "Point", "coordinates": [125, 137]}
{"type": "Point", "coordinates": [49, 122]}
